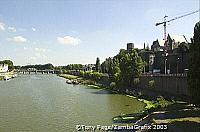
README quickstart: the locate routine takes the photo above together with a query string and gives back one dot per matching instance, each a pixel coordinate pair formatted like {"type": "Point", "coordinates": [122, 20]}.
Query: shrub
{"type": "Point", "coordinates": [112, 85]}
{"type": "Point", "coordinates": [152, 83]}
{"type": "Point", "coordinates": [81, 73]}
{"type": "Point", "coordinates": [136, 81]}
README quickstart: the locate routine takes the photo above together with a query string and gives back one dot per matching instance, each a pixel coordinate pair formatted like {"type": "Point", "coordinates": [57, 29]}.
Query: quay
{"type": "Point", "coordinates": [7, 75]}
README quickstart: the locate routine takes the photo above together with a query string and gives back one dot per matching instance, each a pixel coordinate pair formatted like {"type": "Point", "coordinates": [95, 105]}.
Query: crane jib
{"type": "Point", "coordinates": [177, 17]}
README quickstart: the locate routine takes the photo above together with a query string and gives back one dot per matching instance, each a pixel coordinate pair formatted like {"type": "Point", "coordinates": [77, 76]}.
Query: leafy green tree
{"type": "Point", "coordinates": [10, 64]}
{"type": "Point", "coordinates": [73, 67]}
{"type": "Point", "coordinates": [131, 66]}
{"type": "Point", "coordinates": [39, 67]}
{"type": "Point", "coordinates": [48, 66]}
{"type": "Point", "coordinates": [123, 68]}
{"type": "Point", "coordinates": [194, 70]}
{"type": "Point", "coordinates": [97, 65]}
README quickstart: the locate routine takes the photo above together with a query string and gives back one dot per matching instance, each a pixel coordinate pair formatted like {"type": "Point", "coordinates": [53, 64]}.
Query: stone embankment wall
{"type": "Point", "coordinates": [170, 83]}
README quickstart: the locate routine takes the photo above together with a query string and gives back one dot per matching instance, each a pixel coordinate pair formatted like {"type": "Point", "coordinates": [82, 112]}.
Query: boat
{"type": "Point", "coordinates": [14, 75]}
{"type": "Point", "coordinates": [68, 81]}
{"type": "Point", "coordinates": [75, 81]}
{"type": "Point", "coordinates": [6, 78]}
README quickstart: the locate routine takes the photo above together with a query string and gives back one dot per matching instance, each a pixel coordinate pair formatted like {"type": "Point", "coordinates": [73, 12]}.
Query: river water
{"type": "Point", "coordinates": [45, 103]}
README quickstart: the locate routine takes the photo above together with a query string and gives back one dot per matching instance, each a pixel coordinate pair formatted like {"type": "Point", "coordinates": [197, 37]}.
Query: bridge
{"type": "Point", "coordinates": [47, 71]}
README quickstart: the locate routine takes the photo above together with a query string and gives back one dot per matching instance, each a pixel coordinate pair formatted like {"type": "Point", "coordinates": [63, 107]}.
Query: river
{"type": "Point", "coordinates": [45, 103]}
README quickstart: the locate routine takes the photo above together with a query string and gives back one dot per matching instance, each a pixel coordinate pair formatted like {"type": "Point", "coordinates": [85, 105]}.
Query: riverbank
{"type": "Point", "coordinates": [151, 105]}
{"type": "Point", "coordinates": [158, 110]}
{"type": "Point", "coordinates": [83, 81]}
{"type": "Point", "coordinates": [7, 75]}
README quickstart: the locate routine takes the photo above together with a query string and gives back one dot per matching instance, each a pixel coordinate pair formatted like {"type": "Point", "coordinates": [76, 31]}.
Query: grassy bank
{"type": "Point", "coordinates": [68, 76]}
{"type": "Point", "coordinates": [83, 81]}
{"type": "Point", "coordinates": [150, 106]}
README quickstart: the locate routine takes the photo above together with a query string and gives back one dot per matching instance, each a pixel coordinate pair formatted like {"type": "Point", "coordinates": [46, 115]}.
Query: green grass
{"type": "Point", "coordinates": [149, 104]}
{"type": "Point", "coordinates": [68, 76]}
{"type": "Point", "coordinates": [87, 82]}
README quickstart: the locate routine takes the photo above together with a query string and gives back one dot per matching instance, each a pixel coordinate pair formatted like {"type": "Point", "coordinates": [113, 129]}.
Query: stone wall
{"type": "Point", "coordinates": [175, 84]}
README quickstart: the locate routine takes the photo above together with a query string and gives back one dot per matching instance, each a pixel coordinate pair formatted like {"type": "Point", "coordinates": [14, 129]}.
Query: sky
{"type": "Point", "coordinates": [63, 32]}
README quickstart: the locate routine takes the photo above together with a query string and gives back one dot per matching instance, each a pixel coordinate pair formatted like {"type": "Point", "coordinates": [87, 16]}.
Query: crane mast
{"type": "Point", "coordinates": [165, 28]}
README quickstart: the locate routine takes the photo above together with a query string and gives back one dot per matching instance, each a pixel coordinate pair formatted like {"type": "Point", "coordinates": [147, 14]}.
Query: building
{"type": "Point", "coordinates": [3, 67]}
{"type": "Point", "coordinates": [172, 42]}
{"type": "Point", "coordinates": [170, 56]}
{"type": "Point", "coordinates": [130, 46]}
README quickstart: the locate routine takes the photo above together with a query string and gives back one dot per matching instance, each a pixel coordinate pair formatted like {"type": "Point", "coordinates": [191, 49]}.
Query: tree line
{"type": "Point", "coordinates": [48, 66]}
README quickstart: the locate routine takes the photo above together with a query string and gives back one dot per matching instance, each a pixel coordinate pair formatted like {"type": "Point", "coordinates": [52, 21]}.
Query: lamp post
{"type": "Point", "coordinates": [177, 65]}
{"type": "Point", "coordinates": [166, 54]}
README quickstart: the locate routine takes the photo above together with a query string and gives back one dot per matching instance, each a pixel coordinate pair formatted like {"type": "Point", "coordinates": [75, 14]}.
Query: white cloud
{"type": "Point", "coordinates": [12, 29]}
{"type": "Point", "coordinates": [40, 50]}
{"type": "Point", "coordinates": [40, 55]}
{"type": "Point", "coordinates": [2, 26]}
{"type": "Point", "coordinates": [17, 39]}
{"type": "Point", "coordinates": [68, 40]}
{"type": "Point", "coordinates": [33, 29]}
{"type": "Point", "coordinates": [33, 58]}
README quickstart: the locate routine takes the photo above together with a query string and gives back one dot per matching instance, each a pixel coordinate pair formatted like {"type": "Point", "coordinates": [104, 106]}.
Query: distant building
{"type": "Point", "coordinates": [169, 55]}
{"type": "Point", "coordinates": [130, 46]}
{"type": "Point", "coordinates": [157, 45]}
{"type": "Point", "coordinates": [32, 69]}
{"type": "Point", "coordinates": [3, 67]}
{"type": "Point", "coordinates": [172, 42]}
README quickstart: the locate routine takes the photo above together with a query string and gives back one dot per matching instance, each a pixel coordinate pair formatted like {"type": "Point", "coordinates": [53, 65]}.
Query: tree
{"type": "Point", "coordinates": [124, 68]}
{"type": "Point", "coordinates": [10, 64]}
{"type": "Point", "coordinates": [39, 67]}
{"type": "Point", "coordinates": [98, 65]}
{"type": "Point", "coordinates": [131, 66]}
{"type": "Point", "coordinates": [48, 66]}
{"type": "Point", "coordinates": [194, 70]}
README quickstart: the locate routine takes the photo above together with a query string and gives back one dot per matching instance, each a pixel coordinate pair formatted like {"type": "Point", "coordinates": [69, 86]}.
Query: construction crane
{"type": "Point", "coordinates": [166, 21]}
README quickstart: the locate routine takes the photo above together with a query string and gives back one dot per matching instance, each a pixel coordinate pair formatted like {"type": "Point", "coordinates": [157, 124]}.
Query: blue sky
{"type": "Point", "coordinates": [77, 31]}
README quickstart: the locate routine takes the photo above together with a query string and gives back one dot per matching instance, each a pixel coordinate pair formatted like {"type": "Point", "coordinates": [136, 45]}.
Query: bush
{"type": "Point", "coordinates": [162, 102]}
{"type": "Point", "coordinates": [65, 72]}
{"type": "Point", "coordinates": [96, 76]}
{"type": "Point", "coordinates": [136, 81]}
{"type": "Point", "coordinates": [112, 85]}
{"type": "Point", "coordinates": [152, 83]}
{"type": "Point", "coordinates": [81, 73]}
{"type": "Point", "coordinates": [88, 82]}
